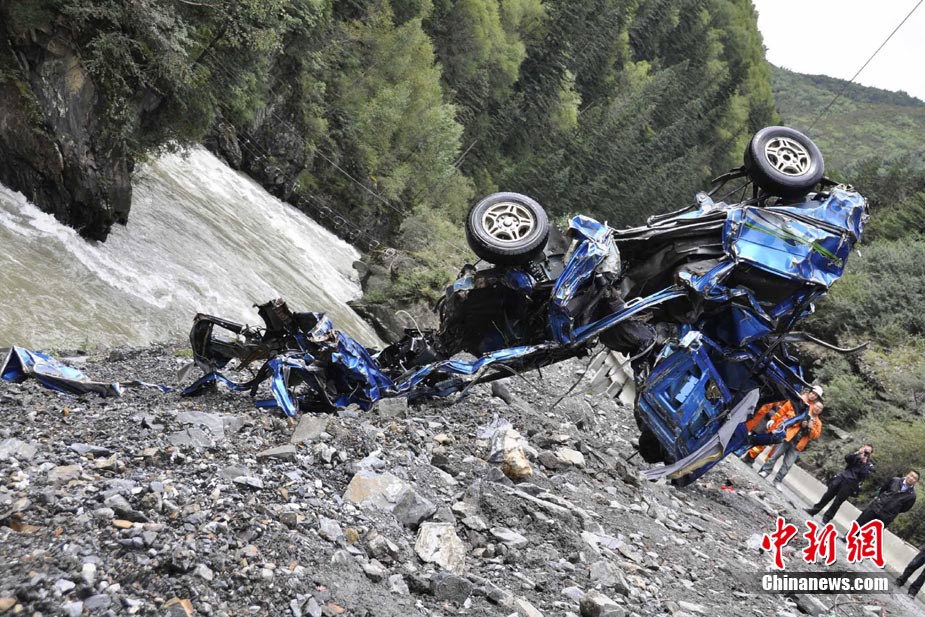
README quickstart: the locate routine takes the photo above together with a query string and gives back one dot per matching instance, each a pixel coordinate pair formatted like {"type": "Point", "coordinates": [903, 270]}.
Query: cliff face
{"type": "Point", "coordinates": [54, 147]}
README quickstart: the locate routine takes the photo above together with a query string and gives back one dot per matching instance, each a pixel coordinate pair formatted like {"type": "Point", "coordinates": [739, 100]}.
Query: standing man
{"type": "Point", "coordinates": [917, 562]}
{"type": "Point", "coordinates": [894, 498]}
{"type": "Point", "coordinates": [858, 465]}
{"type": "Point", "coordinates": [796, 438]}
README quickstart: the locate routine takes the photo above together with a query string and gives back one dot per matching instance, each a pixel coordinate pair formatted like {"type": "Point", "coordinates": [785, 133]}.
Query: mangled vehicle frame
{"type": "Point", "coordinates": [704, 300]}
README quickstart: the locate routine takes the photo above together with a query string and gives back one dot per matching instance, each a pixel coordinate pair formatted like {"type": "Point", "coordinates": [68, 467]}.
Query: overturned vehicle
{"type": "Point", "coordinates": [704, 300]}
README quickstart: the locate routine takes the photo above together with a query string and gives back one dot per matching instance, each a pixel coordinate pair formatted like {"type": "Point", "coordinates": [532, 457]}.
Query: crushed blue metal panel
{"type": "Point", "coordinates": [21, 364]}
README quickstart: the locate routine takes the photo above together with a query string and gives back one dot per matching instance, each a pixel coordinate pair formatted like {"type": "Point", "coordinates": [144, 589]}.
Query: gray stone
{"type": "Point", "coordinates": [398, 585]}
{"type": "Point", "coordinates": [88, 573]}
{"type": "Point", "coordinates": [64, 474]}
{"type": "Point", "coordinates": [289, 518]}
{"type": "Point", "coordinates": [14, 448]}
{"type": "Point", "coordinates": [232, 424]}
{"type": "Point", "coordinates": [249, 481]}
{"type": "Point", "coordinates": [381, 490]}
{"type": "Point", "coordinates": [99, 602]}
{"type": "Point", "coordinates": [231, 472]}
{"type": "Point", "coordinates": [525, 609]}
{"type": "Point", "coordinates": [309, 428]}
{"type": "Point", "coordinates": [549, 460]}
{"type": "Point", "coordinates": [117, 503]}
{"type": "Point", "coordinates": [203, 571]}
{"type": "Point", "coordinates": [374, 570]}
{"type": "Point", "coordinates": [807, 603]}
{"type": "Point", "coordinates": [295, 607]}
{"type": "Point", "coordinates": [569, 456]}
{"type": "Point", "coordinates": [412, 509]}
{"type": "Point", "coordinates": [392, 407]}
{"type": "Point", "coordinates": [211, 422]}
{"type": "Point", "coordinates": [438, 543]}
{"type": "Point", "coordinates": [508, 536]}
{"type": "Point", "coordinates": [573, 593]}
{"type": "Point", "coordinates": [380, 547]}
{"type": "Point", "coordinates": [283, 453]}
{"type": "Point", "coordinates": [312, 608]}
{"type": "Point", "coordinates": [84, 448]}
{"type": "Point", "coordinates": [691, 607]}
{"type": "Point", "coordinates": [609, 576]}
{"type": "Point", "coordinates": [63, 585]}
{"type": "Point", "coordinates": [329, 529]}
{"type": "Point", "coordinates": [475, 523]}
{"type": "Point", "coordinates": [448, 586]}
{"type": "Point", "coordinates": [192, 437]}
{"type": "Point", "coordinates": [596, 604]}
{"type": "Point", "coordinates": [73, 609]}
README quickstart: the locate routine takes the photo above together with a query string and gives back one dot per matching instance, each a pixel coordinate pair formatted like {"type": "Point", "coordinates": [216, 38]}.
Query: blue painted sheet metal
{"type": "Point", "coordinates": [597, 243]}
{"type": "Point", "coordinates": [780, 244]}
{"type": "Point", "coordinates": [684, 396]}
{"type": "Point", "coordinates": [844, 209]}
{"type": "Point", "coordinates": [21, 364]}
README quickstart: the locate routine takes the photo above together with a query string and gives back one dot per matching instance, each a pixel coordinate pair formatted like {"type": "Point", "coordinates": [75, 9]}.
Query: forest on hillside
{"type": "Point", "coordinates": [385, 119]}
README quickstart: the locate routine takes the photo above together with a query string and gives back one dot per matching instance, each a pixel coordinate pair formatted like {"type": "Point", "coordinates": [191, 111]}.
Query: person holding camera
{"type": "Point", "coordinates": [858, 466]}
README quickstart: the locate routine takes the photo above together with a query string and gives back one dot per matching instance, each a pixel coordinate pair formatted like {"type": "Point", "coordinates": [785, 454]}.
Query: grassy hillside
{"type": "Point", "coordinates": [865, 122]}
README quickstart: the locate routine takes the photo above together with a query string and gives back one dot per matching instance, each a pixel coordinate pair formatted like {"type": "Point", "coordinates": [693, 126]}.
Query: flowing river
{"type": "Point", "coordinates": [201, 238]}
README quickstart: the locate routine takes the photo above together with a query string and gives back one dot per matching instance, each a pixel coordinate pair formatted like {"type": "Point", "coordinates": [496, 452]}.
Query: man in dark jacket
{"type": "Point", "coordinates": [917, 562]}
{"type": "Point", "coordinates": [894, 498]}
{"type": "Point", "coordinates": [858, 465]}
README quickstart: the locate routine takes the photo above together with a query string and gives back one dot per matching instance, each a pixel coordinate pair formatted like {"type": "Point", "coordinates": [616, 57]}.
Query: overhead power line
{"type": "Point", "coordinates": [863, 66]}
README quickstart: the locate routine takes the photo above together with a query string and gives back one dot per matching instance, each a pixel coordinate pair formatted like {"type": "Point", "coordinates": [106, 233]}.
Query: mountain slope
{"type": "Point", "coordinates": [864, 122]}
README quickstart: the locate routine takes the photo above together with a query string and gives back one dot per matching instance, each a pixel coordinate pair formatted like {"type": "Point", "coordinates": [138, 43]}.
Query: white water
{"type": "Point", "coordinates": [200, 238]}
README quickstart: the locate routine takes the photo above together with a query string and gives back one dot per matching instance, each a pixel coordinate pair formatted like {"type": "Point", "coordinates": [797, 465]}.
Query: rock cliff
{"type": "Point", "coordinates": [54, 144]}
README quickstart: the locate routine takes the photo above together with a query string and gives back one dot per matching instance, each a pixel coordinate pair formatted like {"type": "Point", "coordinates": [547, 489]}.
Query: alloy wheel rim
{"type": "Point", "coordinates": [508, 221]}
{"type": "Point", "coordinates": [787, 156]}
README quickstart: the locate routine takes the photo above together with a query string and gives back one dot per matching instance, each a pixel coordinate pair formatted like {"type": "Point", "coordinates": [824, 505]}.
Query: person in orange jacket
{"type": "Point", "coordinates": [797, 436]}
{"type": "Point", "coordinates": [780, 411]}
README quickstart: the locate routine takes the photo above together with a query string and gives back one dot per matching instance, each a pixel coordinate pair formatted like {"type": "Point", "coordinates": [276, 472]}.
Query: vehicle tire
{"type": "Point", "coordinates": [507, 229]}
{"type": "Point", "coordinates": [783, 161]}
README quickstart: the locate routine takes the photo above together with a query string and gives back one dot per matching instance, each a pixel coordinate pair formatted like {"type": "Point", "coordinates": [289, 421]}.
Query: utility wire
{"type": "Point", "coordinates": [863, 66]}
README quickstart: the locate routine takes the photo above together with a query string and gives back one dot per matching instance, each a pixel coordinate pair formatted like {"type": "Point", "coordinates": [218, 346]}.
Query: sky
{"type": "Point", "coordinates": [835, 37]}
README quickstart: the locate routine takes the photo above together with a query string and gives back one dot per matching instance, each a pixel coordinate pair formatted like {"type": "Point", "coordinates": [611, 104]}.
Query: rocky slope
{"type": "Point", "coordinates": [153, 504]}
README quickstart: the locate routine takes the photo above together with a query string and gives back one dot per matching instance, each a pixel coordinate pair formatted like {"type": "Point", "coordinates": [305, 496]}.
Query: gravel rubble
{"type": "Point", "coordinates": [152, 504]}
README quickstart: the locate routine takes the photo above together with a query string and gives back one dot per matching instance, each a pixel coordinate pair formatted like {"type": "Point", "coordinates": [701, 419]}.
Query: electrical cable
{"type": "Point", "coordinates": [863, 66]}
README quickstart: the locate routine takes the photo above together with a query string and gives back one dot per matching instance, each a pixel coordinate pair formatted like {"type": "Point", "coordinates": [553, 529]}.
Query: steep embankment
{"type": "Point", "coordinates": [152, 503]}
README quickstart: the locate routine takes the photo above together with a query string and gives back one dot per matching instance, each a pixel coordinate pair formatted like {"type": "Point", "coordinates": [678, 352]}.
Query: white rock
{"type": "Point", "coordinates": [438, 543]}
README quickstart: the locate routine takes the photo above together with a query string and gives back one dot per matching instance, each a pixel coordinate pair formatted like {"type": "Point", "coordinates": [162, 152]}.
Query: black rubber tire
{"type": "Point", "coordinates": [770, 178]}
{"type": "Point", "coordinates": [507, 252]}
